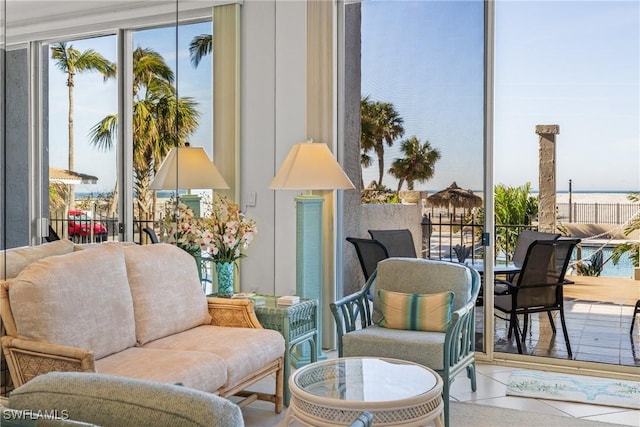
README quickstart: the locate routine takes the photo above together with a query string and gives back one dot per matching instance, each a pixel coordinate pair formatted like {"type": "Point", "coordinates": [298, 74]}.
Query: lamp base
{"type": "Point", "coordinates": [193, 201]}
{"type": "Point", "coordinates": [309, 260]}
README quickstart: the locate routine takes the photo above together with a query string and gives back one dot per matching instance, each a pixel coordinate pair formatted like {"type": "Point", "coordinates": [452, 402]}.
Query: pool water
{"type": "Point", "coordinates": [624, 268]}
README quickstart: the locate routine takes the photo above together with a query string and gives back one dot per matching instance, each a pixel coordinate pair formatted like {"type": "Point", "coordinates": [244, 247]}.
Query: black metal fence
{"type": "Point", "coordinates": [94, 229]}
{"type": "Point", "coordinates": [442, 232]}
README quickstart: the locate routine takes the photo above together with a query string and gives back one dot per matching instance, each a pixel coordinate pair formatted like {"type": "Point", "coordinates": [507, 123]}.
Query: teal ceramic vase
{"type": "Point", "coordinates": [224, 272]}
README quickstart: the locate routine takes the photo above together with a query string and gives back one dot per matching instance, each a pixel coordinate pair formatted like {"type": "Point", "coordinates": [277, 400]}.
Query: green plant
{"type": "Point", "coordinates": [632, 249]}
{"type": "Point", "coordinates": [592, 267]}
{"type": "Point", "coordinates": [515, 209]}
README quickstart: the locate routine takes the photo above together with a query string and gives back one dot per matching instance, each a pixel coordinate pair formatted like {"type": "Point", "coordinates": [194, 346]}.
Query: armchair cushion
{"type": "Point", "coordinates": [416, 312]}
{"type": "Point", "coordinates": [50, 305]}
{"type": "Point", "coordinates": [425, 348]}
{"type": "Point", "coordinates": [163, 279]}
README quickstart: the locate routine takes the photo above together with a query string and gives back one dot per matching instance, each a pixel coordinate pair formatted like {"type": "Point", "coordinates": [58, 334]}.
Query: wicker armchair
{"type": "Point", "coordinates": [448, 352]}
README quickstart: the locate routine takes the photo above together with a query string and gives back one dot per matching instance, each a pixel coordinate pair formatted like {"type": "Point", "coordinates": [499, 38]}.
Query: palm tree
{"type": "Point", "coordinates": [71, 61]}
{"type": "Point", "coordinates": [160, 122]}
{"type": "Point", "coordinates": [200, 47]}
{"type": "Point", "coordinates": [366, 134]}
{"type": "Point", "coordinates": [382, 125]}
{"type": "Point", "coordinates": [417, 164]}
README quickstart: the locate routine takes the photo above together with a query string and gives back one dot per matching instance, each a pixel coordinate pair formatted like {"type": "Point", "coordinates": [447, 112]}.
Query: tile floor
{"type": "Point", "coordinates": [492, 384]}
{"type": "Point", "coordinates": [598, 332]}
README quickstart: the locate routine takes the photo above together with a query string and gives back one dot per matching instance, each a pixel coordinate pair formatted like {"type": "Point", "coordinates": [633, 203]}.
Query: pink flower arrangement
{"type": "Point", "coordinates": [223, 231]}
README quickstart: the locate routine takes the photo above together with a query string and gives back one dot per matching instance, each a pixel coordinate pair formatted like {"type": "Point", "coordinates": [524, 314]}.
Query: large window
{"type": "Point", "coordinates": [82, 91]}
{"type": "Point", "coordinates": [82, 118]}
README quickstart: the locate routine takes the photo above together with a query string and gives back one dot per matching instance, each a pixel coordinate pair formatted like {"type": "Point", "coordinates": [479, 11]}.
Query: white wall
{"type": "Point", "coordinates": [273, 119]}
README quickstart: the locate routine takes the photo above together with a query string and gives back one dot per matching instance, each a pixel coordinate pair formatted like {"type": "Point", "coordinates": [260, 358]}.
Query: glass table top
{"type": "Point", "coordinates": [365, 379]}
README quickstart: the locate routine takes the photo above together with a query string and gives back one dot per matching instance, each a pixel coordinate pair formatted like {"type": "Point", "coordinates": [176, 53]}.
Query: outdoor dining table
{"type": "Point", "coordinates": [508, 269]}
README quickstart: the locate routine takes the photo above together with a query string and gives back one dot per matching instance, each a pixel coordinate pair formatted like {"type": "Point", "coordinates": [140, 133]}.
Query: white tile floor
{"type": "Point", "coordinates": [492, 385]}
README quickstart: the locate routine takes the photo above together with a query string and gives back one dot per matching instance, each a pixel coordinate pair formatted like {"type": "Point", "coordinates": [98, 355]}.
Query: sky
{"type": "Point", "coordinates": [94, 99]}
{"type": "Point", "coordinates": [571, 63]}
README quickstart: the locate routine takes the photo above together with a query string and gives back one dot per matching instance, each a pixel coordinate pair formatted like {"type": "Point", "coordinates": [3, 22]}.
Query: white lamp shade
{"type": "Point", "coordinates": [310, 166]}
{"type": "Point", "coordinates": [186, 168]}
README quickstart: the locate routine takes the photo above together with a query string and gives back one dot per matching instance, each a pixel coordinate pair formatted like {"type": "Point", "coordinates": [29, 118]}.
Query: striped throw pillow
{"type": "Point", "coordinates": [416, 312]}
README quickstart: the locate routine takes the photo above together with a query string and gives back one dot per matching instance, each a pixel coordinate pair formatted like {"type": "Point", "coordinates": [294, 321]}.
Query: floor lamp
{"type": "Point", "coordinates": [310, 166]}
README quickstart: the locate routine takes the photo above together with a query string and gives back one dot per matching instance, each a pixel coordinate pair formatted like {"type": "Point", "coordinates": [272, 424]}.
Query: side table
{"type": "Point", "coordinates": [297, 323]}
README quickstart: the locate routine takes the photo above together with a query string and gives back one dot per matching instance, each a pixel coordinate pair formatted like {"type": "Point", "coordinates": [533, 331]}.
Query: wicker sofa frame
{"type": "Point", "coordinates": [27, 358]}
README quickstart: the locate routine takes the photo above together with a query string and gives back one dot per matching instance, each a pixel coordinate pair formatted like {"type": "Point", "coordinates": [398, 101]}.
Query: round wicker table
{"type": "Point", "coordinates": [335, 392]}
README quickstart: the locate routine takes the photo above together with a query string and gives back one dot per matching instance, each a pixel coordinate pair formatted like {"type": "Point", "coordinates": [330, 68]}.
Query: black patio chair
{"type": "Point", "coordinates": [538, 288]}
{"type": "Point", "coordinates": [525, 239]}
{"type": "Point", "coordinates": [636, 311]}
{"type": "Point", "coordinates": [370, 252]}
{"type": "Point", "coordinates": [152, 235]}
{"type": "Point", "coordinates": [53, 236]}
{"type": "Point", "coordinates": [399, 243]}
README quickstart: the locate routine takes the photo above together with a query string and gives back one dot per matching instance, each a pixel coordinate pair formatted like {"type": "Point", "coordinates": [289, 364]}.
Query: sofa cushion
{"type": "Point", "coordinates": [198, 370]}
{"type": "Point", "coordinates": [424, 348]}
{"type": "Point", "coordinates": [166, 290]}
{"type": "Point", "coordinates": [107, 400]}
{"type": "Point", "coordinates": [80, 299]}
{"type": "Point", "coordinates": [244, 350]}
{"type": "Point", "coordinates": [18, 258]}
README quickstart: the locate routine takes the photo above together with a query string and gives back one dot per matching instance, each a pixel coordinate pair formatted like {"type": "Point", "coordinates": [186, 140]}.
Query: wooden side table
{"type": "Point", "coordinates": [297, 323]}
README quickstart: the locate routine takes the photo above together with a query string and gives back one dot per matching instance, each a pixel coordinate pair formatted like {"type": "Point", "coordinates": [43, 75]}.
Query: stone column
{"type": "Point", "coordinates": [547, 177]}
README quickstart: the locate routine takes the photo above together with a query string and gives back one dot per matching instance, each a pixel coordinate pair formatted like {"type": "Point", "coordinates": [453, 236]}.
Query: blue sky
{"type": "Point", "coordinates": [571, 63]}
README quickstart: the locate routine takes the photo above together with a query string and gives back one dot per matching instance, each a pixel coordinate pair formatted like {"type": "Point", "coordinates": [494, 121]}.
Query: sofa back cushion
{"type": "Point", "coordinates": [18, 258]}
{"type": "Point", "coordinates": [166, 290]}
{"type": "Point", "coordinates": [81, 299]}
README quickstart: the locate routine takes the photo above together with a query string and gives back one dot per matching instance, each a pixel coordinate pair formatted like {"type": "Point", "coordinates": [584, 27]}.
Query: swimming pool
{"type": "Point", "coordinates": [624, 268]}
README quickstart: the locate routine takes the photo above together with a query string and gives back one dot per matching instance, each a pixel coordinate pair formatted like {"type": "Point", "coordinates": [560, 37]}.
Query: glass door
{"type": "Point", "coordinates": [566, 137]}
{"type": "Point", "coordinates": [415, 78]}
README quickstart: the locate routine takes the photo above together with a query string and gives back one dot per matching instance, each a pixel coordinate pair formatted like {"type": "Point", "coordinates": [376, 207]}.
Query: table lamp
{"type": "Point", "coordinates": [310, 166]}
{"type": "Point", "coordinates": [186, 168]}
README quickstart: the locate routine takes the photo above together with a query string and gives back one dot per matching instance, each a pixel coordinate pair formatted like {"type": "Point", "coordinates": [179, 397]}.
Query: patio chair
{"type": "Point", "coordinates": [538, 288]}
{"type": "Point", "coordinates": [53, 236]}
{"type": "Point", "coordinates": [152, 234]}
{"type": "Point", "coordinates": [440, 339]}
{"type": "Point", "coordinates": [525, 239]}
{"type": "Point", "coordinates": [369, 252]}
{"type": "Point", "coordinates": [636, 311]}
{"type": "Point", "coordinates": [399, 243]}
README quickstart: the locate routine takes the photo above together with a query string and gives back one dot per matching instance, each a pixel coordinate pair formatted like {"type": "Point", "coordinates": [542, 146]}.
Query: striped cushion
{"type": "Point", "coordinates": [416, 312]}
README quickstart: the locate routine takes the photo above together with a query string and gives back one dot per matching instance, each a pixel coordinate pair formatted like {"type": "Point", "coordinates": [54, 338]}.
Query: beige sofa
{"type": "Point", "coordinates": [132, 311]}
